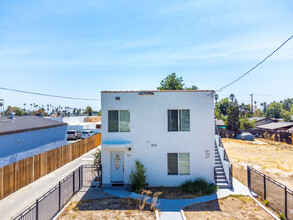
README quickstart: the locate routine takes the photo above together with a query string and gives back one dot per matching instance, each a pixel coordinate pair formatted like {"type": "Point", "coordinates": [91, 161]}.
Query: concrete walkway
{"type": "Point", "coordinates": [17, 202]}
{"type": "Point", "coordinates": [170, 208]}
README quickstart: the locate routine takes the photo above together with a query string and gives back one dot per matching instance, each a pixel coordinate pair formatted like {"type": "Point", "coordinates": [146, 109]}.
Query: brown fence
{"type": "Point", "coordinates": [19, 174]}
{"type": "Point", "coordinates": [278, 136]}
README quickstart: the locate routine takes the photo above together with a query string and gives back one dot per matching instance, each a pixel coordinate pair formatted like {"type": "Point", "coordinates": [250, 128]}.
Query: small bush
{"type": "Point", "coordinates": [137, 178]}
{"type": "Point", "coordinates": [198, 186]}
{"type": "Point", "coordinates": [97, 158]}
{"type": "Point", "coordinates": [282, 216]}
{"type": "Point", "coordinates": [266, 203]}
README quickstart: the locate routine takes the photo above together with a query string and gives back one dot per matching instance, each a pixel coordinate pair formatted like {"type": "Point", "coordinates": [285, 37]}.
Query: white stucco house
{"type": "Point", "coordinates": [171, 132]}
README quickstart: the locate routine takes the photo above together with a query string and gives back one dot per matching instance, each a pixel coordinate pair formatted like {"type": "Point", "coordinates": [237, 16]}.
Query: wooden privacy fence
{"type": "Point", "coordinates": [21, 173]}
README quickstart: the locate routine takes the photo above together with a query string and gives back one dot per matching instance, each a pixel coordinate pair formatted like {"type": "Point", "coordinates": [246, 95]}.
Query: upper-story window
{"type": "Point", "coordinates": [179, 120]}
{"type": "Point", "coordinates": [118, 121]}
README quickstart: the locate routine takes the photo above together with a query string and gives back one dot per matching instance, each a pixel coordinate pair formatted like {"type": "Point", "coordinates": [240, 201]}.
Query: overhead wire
{"type": "Point", "coordinates": [43, 94]}
{"type": "Point", "coordinates": [219, 90]}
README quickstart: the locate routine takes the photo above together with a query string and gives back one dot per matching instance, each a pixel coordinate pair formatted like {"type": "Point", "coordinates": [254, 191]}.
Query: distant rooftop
{"type": "Point", "coordinates": [262, 118]}
{"type": "Point", "coordinates": [277, 125]}
{"type": "Point", "coordinates": [157, 91]}
{"type": "Point", "coordinates": [26, 123]}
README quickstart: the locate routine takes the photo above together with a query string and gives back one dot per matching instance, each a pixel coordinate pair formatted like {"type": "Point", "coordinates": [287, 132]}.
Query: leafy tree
{"type": "Point", "coordinates": [286, 115]}
{"type": "Point", "coordinates": [137, 178]}
{"type": "Point", "coordinates": [171, 82]}
{"type": "Point", "coordinates": [287, 103]}
{"type": "Point", "coordinates": [191, 88]}
{"type": "Point", "coordinates": [222, 106]}
{"type": "Point", "coordinates": [274, 110]}
{"type": "Point", "coordinates": [245, 110]}
{"type": "Point", "coordinates": [233, 122]}
{"type": "Point", "coordinates": [88, 111]}
{"type": "Point", "coordinates": [245, 123]}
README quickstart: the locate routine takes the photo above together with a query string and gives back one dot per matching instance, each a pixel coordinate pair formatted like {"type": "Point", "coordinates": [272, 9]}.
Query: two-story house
{"type": "Point", "coordinates": [171, 132]}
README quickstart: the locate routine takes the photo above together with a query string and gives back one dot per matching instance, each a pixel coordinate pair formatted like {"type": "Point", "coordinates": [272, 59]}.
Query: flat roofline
{"type": "Point", "coordinates": [158, 91]}
{"type": "Point", "coordinates": [31, 129]}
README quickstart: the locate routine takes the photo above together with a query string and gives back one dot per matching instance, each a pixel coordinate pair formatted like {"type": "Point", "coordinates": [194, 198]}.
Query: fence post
{"type": "Point", "coordinates": [248, 178]}
{"type": "Point", "coordinates": [37, 209]}
{"type": "Point", "coordinates": [265, 187]}
{"type": "Point", "coordinates": [73, 185]}
{"type": "Point", "coordinates": [59, 196]}
{"type": "Point", "coordinates": [286, 203]}
{"type": "Point", "coordinates": [79, 175]}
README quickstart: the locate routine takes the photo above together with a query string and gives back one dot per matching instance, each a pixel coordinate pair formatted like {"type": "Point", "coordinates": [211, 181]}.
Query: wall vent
{"type": "Point", "coordinates": [117, 98]}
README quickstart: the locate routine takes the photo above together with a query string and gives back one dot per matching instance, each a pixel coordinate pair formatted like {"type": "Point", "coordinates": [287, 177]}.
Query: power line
{"type": "Point", "coordinates": [43, 94]}
{"type": "Point", "coordinates": [255, 65]}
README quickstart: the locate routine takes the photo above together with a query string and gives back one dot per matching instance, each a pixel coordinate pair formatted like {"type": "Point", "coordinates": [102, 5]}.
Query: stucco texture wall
{"type": "Point", "coordinates": [15, 147]}
{"type": "Point", "coordinates": [148, 125]}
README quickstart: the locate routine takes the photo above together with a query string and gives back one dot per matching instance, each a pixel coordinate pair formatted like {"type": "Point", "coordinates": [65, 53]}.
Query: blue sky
{"type": "Point", "coordinates": [79, 48]}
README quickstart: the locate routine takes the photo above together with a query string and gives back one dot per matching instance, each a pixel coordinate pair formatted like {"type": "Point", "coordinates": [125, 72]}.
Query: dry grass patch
{"type": "Point", "coordinates": [232, 207]}
{"type": "Point", "coordinates": [108, 209]}
{"type": "Point", "coordinates": [275, 159]}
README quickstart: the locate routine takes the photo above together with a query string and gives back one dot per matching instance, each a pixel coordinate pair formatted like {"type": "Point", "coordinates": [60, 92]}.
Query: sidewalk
{"type": "Point", "coordinates": [170, 208]}
{"type": "Point", "coordinates": [15, 203]}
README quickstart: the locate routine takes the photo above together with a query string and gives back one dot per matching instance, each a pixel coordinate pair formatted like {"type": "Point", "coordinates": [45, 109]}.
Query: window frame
{"type": "Point", "coordinates": [178, 119]}
{"type": "Point", "coordinates": [178, 164]}
{"type": "Point", "coordinates": [119, 122]}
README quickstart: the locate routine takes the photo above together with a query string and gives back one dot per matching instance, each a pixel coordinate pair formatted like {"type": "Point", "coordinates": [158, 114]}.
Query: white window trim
{"type": "Point", "coordinates": [178, 164]}
{"type": "Point", "coordinates": [178, 126]}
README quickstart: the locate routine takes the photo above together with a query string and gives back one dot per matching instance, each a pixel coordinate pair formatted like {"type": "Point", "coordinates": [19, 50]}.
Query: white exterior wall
{"type": "Point", "coordinates": [149, 125]}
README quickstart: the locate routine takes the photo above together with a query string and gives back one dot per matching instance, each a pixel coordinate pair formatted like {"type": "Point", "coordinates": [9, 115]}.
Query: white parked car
{"type": "Point", "coordinates": [85, 134]}
{"type": "Point", "coordinates": [73, 135]}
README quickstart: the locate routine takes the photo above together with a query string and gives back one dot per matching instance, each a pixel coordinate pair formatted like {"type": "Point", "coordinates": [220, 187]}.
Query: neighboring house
{"type": "Point", "coordinates": [26, 136]}
{"type": "Point", "coordinates": [81, 123]}
{"type": "Point", "coordinates": [172, 133]}
{"type": "Point", "coordinates": [278, 126]}
{"type": "Point", "coordinates": [262, 121]}
{"type": "Point", "coordinates": [220, 123]}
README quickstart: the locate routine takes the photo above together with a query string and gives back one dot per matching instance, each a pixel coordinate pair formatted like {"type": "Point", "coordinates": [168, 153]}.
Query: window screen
{"type": "Point", "coordinates": [113, 121]}
{"type": "Point", "coordinates": [172, 164]}
{"type": "Point", "coordinates": [184, 164]}
{"type": "Point", "coordinates": [124, 121]}
{"type": "Point", "coordinates": [184, 120]}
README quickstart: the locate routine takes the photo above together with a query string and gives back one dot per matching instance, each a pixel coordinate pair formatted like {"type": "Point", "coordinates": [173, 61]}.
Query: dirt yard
{"type": "Point", "coordinates": [232, 207]}
{"type": "Point", "coordinates": [275, 159]}
{"type": "Point", "coordinates": [117, 208]}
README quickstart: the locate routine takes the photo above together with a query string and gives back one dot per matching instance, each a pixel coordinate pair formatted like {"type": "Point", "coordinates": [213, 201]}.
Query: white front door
{"type": "Point", "coordinates": [117, 166]}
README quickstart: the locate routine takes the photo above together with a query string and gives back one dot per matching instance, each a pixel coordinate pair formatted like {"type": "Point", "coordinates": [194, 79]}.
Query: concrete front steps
{"type": "Point", "coordinates": [220, 178]}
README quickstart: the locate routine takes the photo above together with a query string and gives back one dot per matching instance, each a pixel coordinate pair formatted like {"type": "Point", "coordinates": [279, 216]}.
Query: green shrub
{"type": "Point", "coordinates": [137, 178]}
{"type": "Point", "coordinates": [97, 157]}
{"type": "Point", "coordinates": [282, 216]}
{"type": "Point", "coordinates": [266, 203]}
{"type": "Point", "coordinates": [198, 186]}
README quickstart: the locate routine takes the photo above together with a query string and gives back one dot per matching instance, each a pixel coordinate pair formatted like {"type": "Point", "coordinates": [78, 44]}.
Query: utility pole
{"type": "Point", "coordinates": [251, 96]}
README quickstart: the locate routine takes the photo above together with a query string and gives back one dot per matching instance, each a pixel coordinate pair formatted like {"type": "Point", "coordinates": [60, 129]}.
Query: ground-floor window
{"type": "Point", "coordinates": [178, 163]}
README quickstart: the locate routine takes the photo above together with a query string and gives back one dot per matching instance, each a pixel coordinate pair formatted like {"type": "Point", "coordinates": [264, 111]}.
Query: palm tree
{"type": "Point", "coordinates": [216, 97]}
{"type": "Point", "coordinates": [232, 96]}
